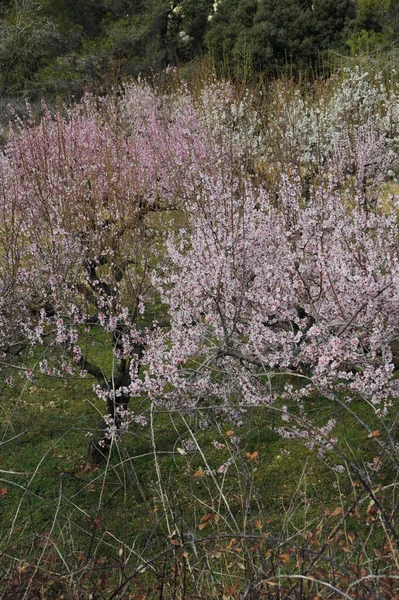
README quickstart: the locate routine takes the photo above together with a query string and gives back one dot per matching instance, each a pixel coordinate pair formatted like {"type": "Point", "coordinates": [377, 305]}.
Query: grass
{"type": "Point", "coordinates": [159, 514]}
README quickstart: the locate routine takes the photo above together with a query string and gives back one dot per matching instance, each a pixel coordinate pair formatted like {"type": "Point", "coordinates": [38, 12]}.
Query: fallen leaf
{"type": "Point", "coordinates": [284, 558]}
{"type": "Point", "coordinates": [337, 511]}
{"type": "Point", "coordinates": [206, 518]}
{"type": "Point", "coordinates": [231, 590]}
{"type": "Point", "coordinates": [374, 434]}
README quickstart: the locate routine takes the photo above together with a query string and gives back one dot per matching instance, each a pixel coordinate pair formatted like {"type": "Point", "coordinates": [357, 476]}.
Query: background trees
{"type": "Point", "coordinates": [28, 39]}
{"type": "Point", "coordinates": [56, 47]}
{"type": "Point", "coordinates": [275, 34]}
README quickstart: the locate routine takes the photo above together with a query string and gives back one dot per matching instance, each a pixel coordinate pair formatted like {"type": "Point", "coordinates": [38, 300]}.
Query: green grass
{"type": "Point", "coordinates": [59, 516]}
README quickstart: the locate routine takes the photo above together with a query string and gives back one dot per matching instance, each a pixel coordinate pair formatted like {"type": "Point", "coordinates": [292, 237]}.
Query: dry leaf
{"type": "Point", "coordinates": [198, 474]}
{"type": "Point", "coordinates": [337, 511]}
{"type": "Point", "coordinates": [374, 434]}
{"type": "Point", "coordinates": [206, 518]}
{"type": "Point", "coordinates": [231, 590]}
{"type": "Point", "coordinates": [284, 558]}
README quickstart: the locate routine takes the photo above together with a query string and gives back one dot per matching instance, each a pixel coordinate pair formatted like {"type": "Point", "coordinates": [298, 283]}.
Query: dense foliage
{"type": "Point", "coordinates": [58, 47]}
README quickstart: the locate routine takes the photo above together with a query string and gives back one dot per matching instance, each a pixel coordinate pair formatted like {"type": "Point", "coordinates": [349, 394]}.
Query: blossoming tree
{"type": "Point", "coordinates": [277, 271]}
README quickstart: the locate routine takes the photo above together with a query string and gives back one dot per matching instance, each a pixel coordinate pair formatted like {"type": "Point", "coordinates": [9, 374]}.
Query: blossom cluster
{"type": "Point", "coordinates": [272, 249]}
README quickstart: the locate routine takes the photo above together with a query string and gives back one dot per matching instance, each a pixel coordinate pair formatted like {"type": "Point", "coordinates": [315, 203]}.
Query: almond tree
{"type": "Point", "coordinates": [297, 286]}
{"type": "Point", "coordinates": [272, 292]}
{"type": "Point", "coordinates": [83, 194]}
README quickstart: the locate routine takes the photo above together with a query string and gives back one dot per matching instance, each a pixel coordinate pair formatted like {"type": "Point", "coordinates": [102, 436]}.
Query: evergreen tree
{"type": "Point", "coordinates": [279, 32]}
{"type": "Point", "coordinates": [230, 29]}
{"type": "Point", "coordinates": [57, 47]}
{"type": "Point", "coordinates": [27, 38]}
